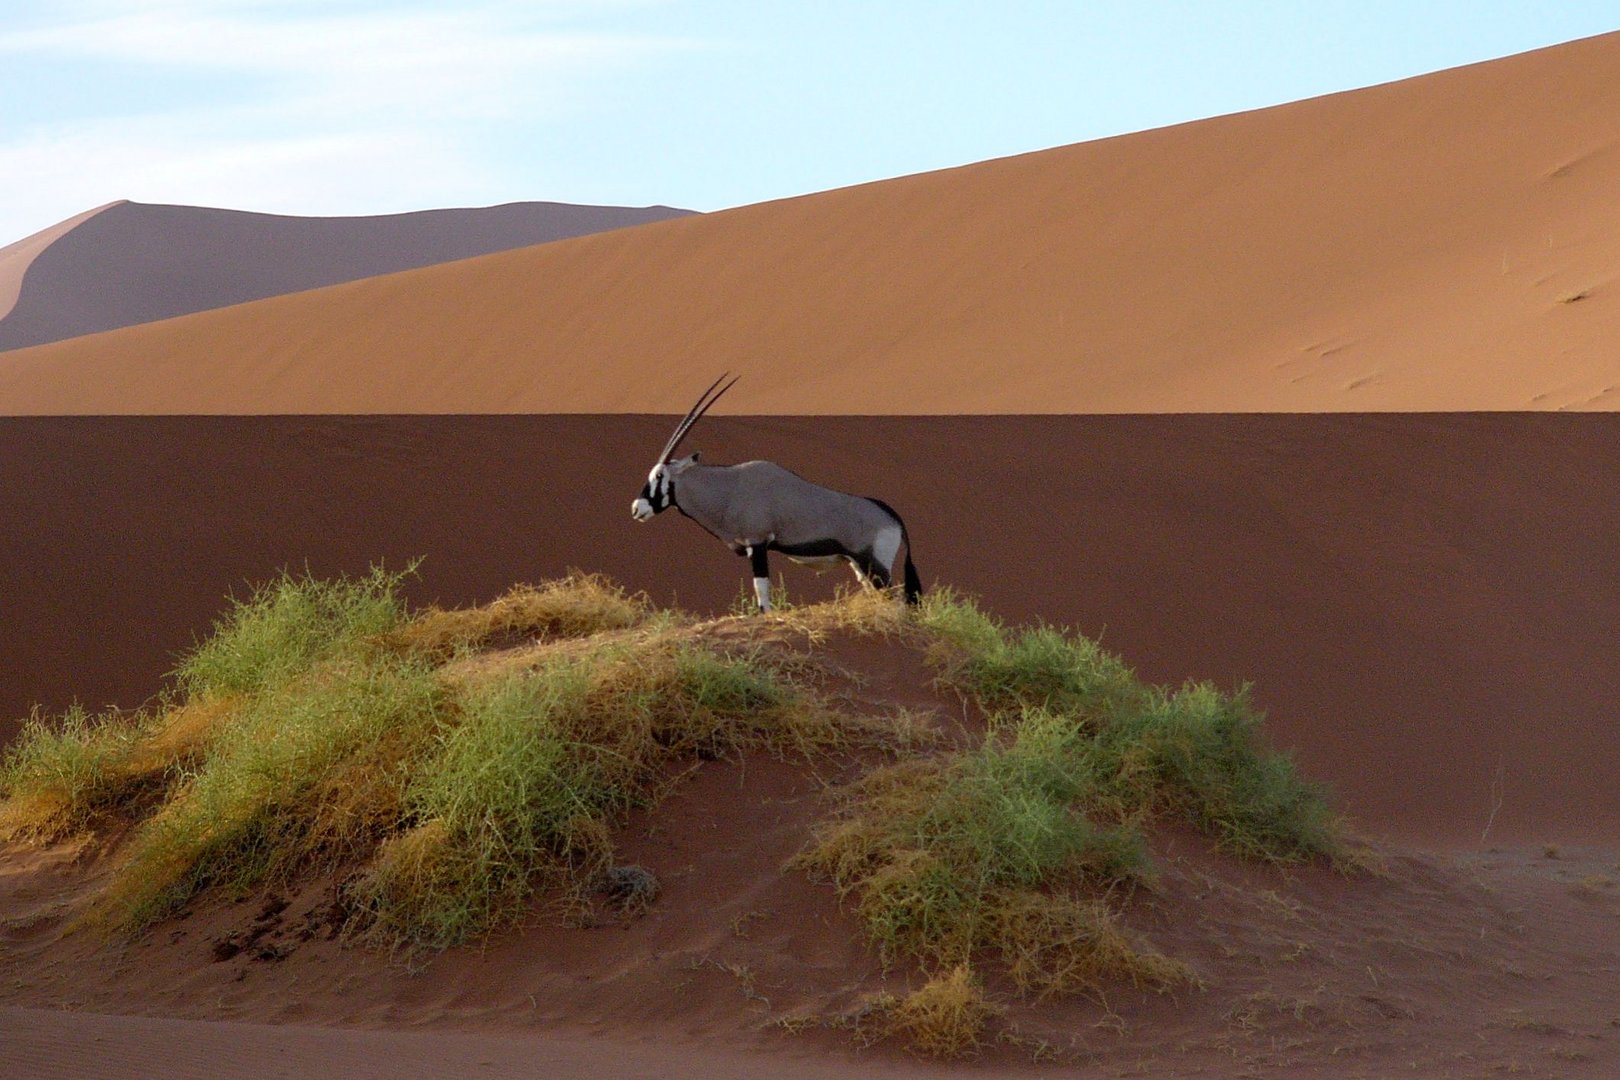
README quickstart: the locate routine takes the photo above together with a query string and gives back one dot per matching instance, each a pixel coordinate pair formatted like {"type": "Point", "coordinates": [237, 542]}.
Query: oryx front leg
{"type": "Point", "coordinates": [759, 556]}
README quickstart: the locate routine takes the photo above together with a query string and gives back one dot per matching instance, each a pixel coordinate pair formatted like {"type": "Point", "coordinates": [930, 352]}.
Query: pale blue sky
{"type": "Point", "coordinates": [361, 107]}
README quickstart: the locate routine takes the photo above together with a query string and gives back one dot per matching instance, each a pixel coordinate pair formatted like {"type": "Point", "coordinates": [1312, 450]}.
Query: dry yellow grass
{"type": "Point", "coordinates": [575, 606]}
{"type": "Point", "coordinates": [64, 776]}
{"type": "Point", "coordinates": [946, 1016]}
{"type": "Point", "coordinates": [40, 816]}
{"type": "Point", "coordinates": [857, 611]}
{"type": "Point", "coordinates": [1063, 944]}
{"type": "Point", "coordinates": [178, 737]}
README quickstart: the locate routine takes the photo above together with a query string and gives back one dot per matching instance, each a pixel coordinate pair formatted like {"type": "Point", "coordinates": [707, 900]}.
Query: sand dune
{"type": "Point", "coordinates": [1425, 603]}
{"type": "Point", "coordinates": [1443, 243]}
{"type": "Point", "coordinates": [16, 258]}
{"type": "Point", "coordinates": [130, 263]}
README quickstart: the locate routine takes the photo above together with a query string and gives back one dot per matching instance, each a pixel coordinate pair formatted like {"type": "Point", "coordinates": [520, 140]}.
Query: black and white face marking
{"type": "Point", "coordinates": [655, 494]}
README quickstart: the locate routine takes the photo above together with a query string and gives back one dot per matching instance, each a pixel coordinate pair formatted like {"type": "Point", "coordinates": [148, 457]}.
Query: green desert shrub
{"type": "Point", "coordinates": [1193, 752]}
{"type": "Point", "coordinates": [308, 771]}
{"type": "Point", "coordinates": [1010, 846]}
{"type": "Point", "coordinates": [941, 852]}
{"type": "Point", "coordinates": [1198, 753]}
{"type": "Point", "coordinates": [522, 789]}
{"type": "Point", "coordinates": [59, 773]}
{"type": "Point", "coordinates": [1037, 666]}
{"type": "Point", "coordinates": [288, 625]}
{"type": "Point", "coordinates": [507, 793]}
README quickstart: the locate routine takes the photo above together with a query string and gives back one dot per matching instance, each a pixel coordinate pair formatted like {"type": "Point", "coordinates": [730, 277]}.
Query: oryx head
{"type": "Point", "coordinates": [658, 494]}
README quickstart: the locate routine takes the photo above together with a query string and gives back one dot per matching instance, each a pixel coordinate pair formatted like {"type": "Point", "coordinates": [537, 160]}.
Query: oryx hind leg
{"type": "Point", "coordinates": [880, 561]}
{"type": "Point", "coordinates": [862, 567]}
{"type": "Point", "coordinates": [869, 572]}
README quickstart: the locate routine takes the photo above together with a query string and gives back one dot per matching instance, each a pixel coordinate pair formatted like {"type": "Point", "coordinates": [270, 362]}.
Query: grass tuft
{"type": "Point", "coordinates": [1067, 944]}
{"type": "Point", "coordinates": [983, 849]}
{"type": "Point", "coordinates": [1038, 666]}
{"type": "Point", "coordinates": [861, 612]}
{"type": "Point", "coordinates": [305, 773]}
{"type": "Point", "coordinates": [521, 791]}
{"type": "Point", "coordinates": [67, 774]}
{"type": "Point", "coordinates": [575, 606]}
{"type": "Point", "coordinates": [1197, 752]}
{"type": "Point", "coordinates": [1193, 752]}
{"type": "Point", "coordinates": [1012, 847]}
{"type": "Point", "coordinates": [288, 625]}
{"type": "Point", "coordinates": [507, 791]}
{"type": "Point", "coordinates": [945, 1017]}
{"type": "Point", "coordinates": [59, 774]}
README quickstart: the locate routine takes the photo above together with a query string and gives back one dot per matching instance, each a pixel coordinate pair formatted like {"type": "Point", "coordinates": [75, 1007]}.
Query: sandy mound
{"type": "Point", "coordinates": [1302, 968]}
{"type": "Point", "coordinates": [131, 263]}
{"type": "Point", "coordinates": [1442, 243]}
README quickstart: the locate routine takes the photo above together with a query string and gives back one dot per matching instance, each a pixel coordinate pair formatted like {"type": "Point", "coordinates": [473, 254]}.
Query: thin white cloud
{"type": "Point", "coordinates": [316, 101]}
{"type": "Point", "coordinates": [490, 58]}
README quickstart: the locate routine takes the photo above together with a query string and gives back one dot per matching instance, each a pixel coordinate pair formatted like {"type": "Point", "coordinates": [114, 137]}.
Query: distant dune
{"type": "Point", "coordinates": [1447, 242]}
{"type": "Point", "coordinates": [129, 263]}
{"type": "Point", "coordinates": [15, 259]}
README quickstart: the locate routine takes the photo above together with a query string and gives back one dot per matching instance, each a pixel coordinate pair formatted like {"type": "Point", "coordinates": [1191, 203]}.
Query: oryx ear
{"type": "Point", "coordinates": [681, 463]}
{"type": "Point", "coordinates": [694, 457]}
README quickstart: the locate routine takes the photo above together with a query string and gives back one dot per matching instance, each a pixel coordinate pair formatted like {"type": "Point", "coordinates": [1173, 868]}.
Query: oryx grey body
{"type": "Point", "coordinates": [758, 507]}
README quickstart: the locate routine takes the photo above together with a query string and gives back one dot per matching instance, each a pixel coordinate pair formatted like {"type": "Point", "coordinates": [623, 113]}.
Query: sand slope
{"type": "Point", "coordinates": [1442, 965]}
{"type": "Point", "coordinates": [1425, 603]}
{"type": "Point", "coordinates": [48, 1044]}
{"type": "Point", "coordinates": [1448, 242]}
{"type": "Point", "coordinates": [16, 258]}
{"type": "Point", "coordinates": [130, 263]}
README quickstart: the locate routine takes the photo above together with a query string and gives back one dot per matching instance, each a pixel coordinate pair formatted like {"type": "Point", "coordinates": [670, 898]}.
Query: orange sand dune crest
{"type": "Point", "coordinates": [1444, 243]}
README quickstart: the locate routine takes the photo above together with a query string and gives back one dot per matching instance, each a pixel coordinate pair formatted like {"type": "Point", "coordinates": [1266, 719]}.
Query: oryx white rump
{"type": "Point", "coordinates": [759, 507]}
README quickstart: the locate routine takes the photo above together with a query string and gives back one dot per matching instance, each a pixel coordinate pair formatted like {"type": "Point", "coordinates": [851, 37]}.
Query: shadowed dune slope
{"type": "Point", "coordinates": [1444, 243]}
{"type": "Point", "coordinates": [1425, 603]}
{"type": "Point", "coordinates": [131, 263]}
{"type": "Point", "coordinates": [17, 258]}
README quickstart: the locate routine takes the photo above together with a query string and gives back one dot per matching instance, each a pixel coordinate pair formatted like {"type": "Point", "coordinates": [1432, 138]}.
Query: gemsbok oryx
{"type": "Point", "coordinates": [759, 507]}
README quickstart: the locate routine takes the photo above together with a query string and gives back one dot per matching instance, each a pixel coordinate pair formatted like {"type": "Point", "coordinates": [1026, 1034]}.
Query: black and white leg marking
{"type": "Point", "coordinates": [759, 556]}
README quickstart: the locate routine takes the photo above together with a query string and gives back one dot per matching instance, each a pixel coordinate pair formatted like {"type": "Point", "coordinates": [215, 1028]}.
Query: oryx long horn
{"type": "Point", "coordinates": [704, 401]}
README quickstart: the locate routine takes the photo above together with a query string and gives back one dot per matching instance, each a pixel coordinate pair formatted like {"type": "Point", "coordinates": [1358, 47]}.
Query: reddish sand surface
{"type": "Point", "coordinates": [1425, 603]}
{"type": "Point", "coordinates": [130, 263]}
{"type": "Point", "coordinates": [1278, 397]}
{"type": "Point", "coordinates": [1437, 244]}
